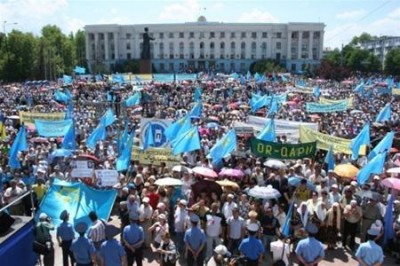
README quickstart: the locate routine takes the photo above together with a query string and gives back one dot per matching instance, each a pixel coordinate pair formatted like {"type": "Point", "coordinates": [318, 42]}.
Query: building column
{"type": "Point", "coordinates": [116, 43]}
{"type": "Point", "coordinates": [299, 44]}
{"type": "Point", "coordinates": [87, 47]}
{"type": "Point", "coordinates": [310, 44]}
{"type": "Point", "coordinates": [270, 43]}
{"type": "Point", "coordinates": [106, 47]}
{"type": "Point", "coordinates": [96, 46]}
{"type": "Point", "coordinates": [289, 46]}
{"type": "Point", "coordinates": [321, 44]}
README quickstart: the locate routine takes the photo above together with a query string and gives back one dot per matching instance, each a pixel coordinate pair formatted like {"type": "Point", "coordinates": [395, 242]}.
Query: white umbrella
{"type": "Point", "coordinates": [395, 170]}
{"type": "Point", "coordinates": [267, 192]}
{"type": "Point", "coordinates": [276, 164]}
{"type": "Point", "coordinates": [168, 181]}
{"type": "Point", "coordinates": [181, 169]}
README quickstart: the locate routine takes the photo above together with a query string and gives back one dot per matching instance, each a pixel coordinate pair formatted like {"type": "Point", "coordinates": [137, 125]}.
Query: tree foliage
{"type": "Point", "coordinates": [24, 56]}
{"type": "Point", "coordinates": [392, 62]}
{"type": "Point", "coordinates": [266, 66]}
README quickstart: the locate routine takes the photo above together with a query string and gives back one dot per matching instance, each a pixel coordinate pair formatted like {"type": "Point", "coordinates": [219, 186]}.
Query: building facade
{"type": "Point", "coordinates": [202, 45]}
{"type": "Point", "coordinates": [381, 46]}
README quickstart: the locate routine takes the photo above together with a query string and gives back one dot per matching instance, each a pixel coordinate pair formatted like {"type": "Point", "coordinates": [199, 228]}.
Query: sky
{"type": "Point", "coordinates": [343, 18]}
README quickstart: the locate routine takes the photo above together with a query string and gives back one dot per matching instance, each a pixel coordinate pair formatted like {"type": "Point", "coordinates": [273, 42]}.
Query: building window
{"type": "Point", "coordinates": [222, 35]}
{"type": "Point", "coordinates": [161, 35]}
{"type": "Point", "coordinates": [141, 36]}
{"type": "Point", "coordinates": [278, 45]}
{"type": "Point", "coordinates": [243, 50]}
{"type": "Point", "coordinates": [263, 50]}
{"type": "Point", "coordinates": [181, 35]}
{"type": "Point", "coordinates": [243, 35]}
{"type": "Point", "coordinates": [201, 50]}
{"type": "Point", "coordinates": [279, 35]}
{"type": "Point", "coordinates": [128, 46]}
{"type": "Point", "coordinates": [306, 34]}
{"type": "Point", "coordinates": [264, 35]}
{"type": "Point", "coordinates": [101, 36]}
{"type": "Point", "coordinates": [202, 35]}
{"type": "Point", "coordinates": [191, 34]}
{"type": "Point", "coordinates": [212, 34]}
{"type": "Point", "coordinates": [233, 46]}
{"type": "Point", "coordinates": [171, 50]}
{"type": "Point", "coordinates": [91, 36]}
{"type": "Point", "coordinates": [162, 67]}
{"type": "Point", "coordinates": [171, 67]}
{"type": "Point", "coordinates": [316, 35]}
{"type": "Point", "coordinates": [171, 35]}
{"type": "Point", "coordinates": [181, 50]}
{"type": "Point", "coordinates": [128, 36]}
{"type": "Point", "coordinates": [254, 35]}
{"type": "Point", "coordinates": [128, 56]}
{"type": "Point", "coordinates": [295, 34]}
{"type": "Point", "coordinates": [233, 35]}
{"type": "Point", "coordinates": [211, 45]}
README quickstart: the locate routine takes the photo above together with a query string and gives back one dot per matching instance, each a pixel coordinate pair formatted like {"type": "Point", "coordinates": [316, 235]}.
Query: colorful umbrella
{"type": "Point", "coordinates": [168, 181]}
{"type": "Point", "coordinates": [395, 170]}
{"type": "Point", "coordinates": [227, 183]}
{"type": "Point", "coordinates": [61, 153]}
{"type": "Point", "coordinates": [346, 170]}
{"type": "Point", "coordinates": [275, 164]}
{"type": "Point", "coordinates": [391, 182]}
{"type": "Point", "coordinates": [204, 171]}
{"type": "Point", "coordinates": [207, 186]}
{"type": "Point", "coordinates": [295, 182]}
{"type": "Point", "coordinates": [267, 192]}
{"type": "Point", "coordinates": [181, 169]}
{"type": "Point", "coordinates": [231, 172]}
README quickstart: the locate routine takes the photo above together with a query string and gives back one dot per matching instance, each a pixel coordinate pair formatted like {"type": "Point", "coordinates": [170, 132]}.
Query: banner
{"type": "Point", "coordinates": [326, 108]}
{"type": "Point", "coordinates": [30, 117]}
{"type": "Point", "coordinates": [57, 128]}
{"type": "Point", "coordinates": [106, 178]}
{"type": "Point", "coordinates": [349, 101]}
{"type": "Point", "coordinates": [82, 169]}
{"type": "Point", "coordinates": [324, 141]}
{"type": "Point", "coordinates": [155, 156]}
{"type": "Point", "coordinates": [78, 199]}
{"type": "Point", "coordinates": [182, 77]}
{"type": "Point", "coordinates": [163, 77]}
{"type": "Point", "coordinates": [283, 151]}
{"type": "Point", "coordinates": [396, 91]}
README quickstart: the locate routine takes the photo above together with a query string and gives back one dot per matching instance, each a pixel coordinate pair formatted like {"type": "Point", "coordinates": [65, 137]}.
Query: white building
{"type": "Point", "coordinates": [381, 46]}
{"type": "Point", "coordinates": [203, 45]}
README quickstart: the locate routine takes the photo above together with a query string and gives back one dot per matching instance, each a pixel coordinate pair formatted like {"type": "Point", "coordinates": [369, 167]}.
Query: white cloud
{"type": "Point", "coordinates": [181, 11]}
{"type": "Point", "coordinates": [349, 15]}
{"type": "Point", "coordinates": [256, 16]}
{"type": "Point", "coordinates": [217, 6]}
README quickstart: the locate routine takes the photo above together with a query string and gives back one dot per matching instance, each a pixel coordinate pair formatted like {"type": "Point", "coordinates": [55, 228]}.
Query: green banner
{"type": "Point", "coordinates": [283, 151]}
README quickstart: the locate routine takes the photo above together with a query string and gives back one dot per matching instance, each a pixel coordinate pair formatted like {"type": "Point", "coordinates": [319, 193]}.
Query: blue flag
{"type": "Point", "coordinates": [108, 118]}
{"type": "Point", "coordinates": [360, 88]}
{"type": "Point", "coordinates": [176, 128]}
{"type": "Point", "coordinates": [118, 78]}
{"type": "Point", "coordinates": [330, 159]}
{"type": "Point", "coordinates": [20, 144]}
{"type": "Point", "coordinates": [67, 80]}
{"type": "Point", "coordinates": [133, 100]}
{"type": "Point", "coordinates": [186, 142]}
{"type": "Point", "coordinates": [123, 139]}
{"type": "Point", "coordinates": [384, 114]}
{"type": "Point", "coordinates": [268, 132]}
{"type": "Point", "coordinates": [316, 91]}
{"type": "Point", "coordinates": [258, 103]}
{"type": "Point", "coordinates": [78, 199]}
{"type": "Point", "coordinates": [52, 128]}
{"type": "Point", "coordinates": [363, 138]}
{"type": "Point", "coordinates": [99, 77]}
{"type": "Point", "coordinates": [79, 70]}
{"type": "Point", "coordinates": [196, 110]}
{"type": "Point", "coordinates": [284, 78]}
{"type": "Point", "coordinates": [138, 79]}
{"type": "Point", "coordinates": [375, 166]}
{"type": "Point", "coordinates": [148, 137]}
{"type": "Point", "coordinates": [286, 223]}
{"type": "Point", "coordinates": [99, 133]}
{"type": "Point", "coordinates": [273, 109]}
{"type": "Point", "coordinates": [125, 158]}
{"type": "Point", "coordinates": [383, 146]}
{"type": "Point", "coordinates": [197, 95]}
{"type": "Point", "coordinates": [70, 111]}
{"type": "Point", "coordinates": [257, 76]}
{"type": "Point", "coordinates": [248, 75]}
{"type": "Point", "coordinates": [61, 97]}
{"type": "Point", "coordinates": [388, 220]}
{"type": "Point", "coordinates": [223, 147]}
{"type": "Point", "coordinates": [69, 142]}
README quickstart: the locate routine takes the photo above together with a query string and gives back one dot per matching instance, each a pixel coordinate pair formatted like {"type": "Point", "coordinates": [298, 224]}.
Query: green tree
{"type": "Point", "coordinates": [265, 66]}
{"type": "Point", "coordinates": [362, 60]}
{"type": "Point", "coordinates": [80, 50]}
{"type": "Point", "coordinates": [364, 37]}
{"type": "Point", "coordinates": [392, 62]}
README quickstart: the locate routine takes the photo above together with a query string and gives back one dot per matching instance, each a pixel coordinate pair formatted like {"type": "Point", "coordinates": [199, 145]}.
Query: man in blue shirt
{"type": "Point", "coordinates": [111, 251]}
{"type": "Point", "coordinates": [83, 249]}
{"type": "Point", "coordinates": [251, 247]}
{"type": "Point", "coordinates": [133, 239]}
{"type": "Point", "coordinates": [310, 251]}
{"type": "Point", "coordinates": [195, 240]}
{"type": "Point", "coordinates": [370, 253]}
{"type": "Point", "coordinates": [65, 235]}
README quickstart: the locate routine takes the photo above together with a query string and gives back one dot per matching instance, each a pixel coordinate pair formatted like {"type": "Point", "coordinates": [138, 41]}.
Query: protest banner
{"type": "Point", "coordinates": [396, 91]}
{"type": "Point", "coordinates": [106, 178]}
{"type": "Point", "coordinates": [82, 169]}
{"type": "Point", "coordinates": [56, 128]}
{"type": "Point", "coordinates": [155, 156]}
{"type": "Point", "coordinates": [325, 141]}
{"type": "Point", "coordinates": [326, 108]}
{"type": "Point", "coordinates": [163, 77]}
{"type": "Point", "coordinates": [30, 117]}
{"type": "Point", "coordinates": [283, 151]}
{"type": "Point", "coordinates": [183, 76]}
{"type": "Point", "coordinates": [349, 101]}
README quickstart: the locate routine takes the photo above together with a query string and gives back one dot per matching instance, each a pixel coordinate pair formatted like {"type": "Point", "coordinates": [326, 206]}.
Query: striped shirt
{"type": "Point", "coordinates": [97, 231]}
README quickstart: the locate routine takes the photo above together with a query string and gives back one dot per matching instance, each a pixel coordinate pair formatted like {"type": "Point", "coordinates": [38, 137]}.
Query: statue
{"type": "Point", "coordinates": [146, 44]}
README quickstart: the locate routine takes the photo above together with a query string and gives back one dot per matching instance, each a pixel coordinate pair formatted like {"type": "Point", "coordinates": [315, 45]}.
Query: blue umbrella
{"type": "Point", "coordinates": [61, 153]}
{"type": "Point", "coordinates": [212, 125]}
{"type": "Point", "coordinates": [295, 182]}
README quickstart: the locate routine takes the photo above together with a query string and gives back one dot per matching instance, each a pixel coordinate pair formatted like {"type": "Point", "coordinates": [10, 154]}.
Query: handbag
{"type": "Point", "coordinates": [40, 248]}
{"type": "Point", "coordinates": [281, 262]}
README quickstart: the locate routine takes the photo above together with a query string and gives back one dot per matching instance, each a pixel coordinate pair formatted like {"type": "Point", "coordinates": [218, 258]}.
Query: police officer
{"type": "Point", "coordinates": [133, 239]}
{"type": "Point", "coordinates": [43, 236]}
{"type": "Point", "coordinates": [111, 251]}
{"type": "Point", "coordinates": [251, 247]}
{"type": "Point", "coordinates": [195, 240]}
{"type": "Point", "coordinates": [310, 251]}
{"type": "Point", "coordinates": [82, 247]}
{"type": "Point", "coordinates": [369, 252]}
{"type": "Point", "coordinates": [65, 235]}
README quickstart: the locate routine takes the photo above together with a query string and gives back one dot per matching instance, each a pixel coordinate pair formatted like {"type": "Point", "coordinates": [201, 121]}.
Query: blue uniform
{"type": "Point", "coordinates": [112, 252]}
{"type": "Point", "coordinates": [83, 250]}
{"type": "Point", "coordinates": [65, 231]}
{"type": "Point", "coordinates": [133, 233]}
{"type": "Point", "coordinates": [370, 252]}
{"type": "Point", "coordinates": [252, 248]}
{"type": "Point", "coordinates": [194, 237]}
{"type": "Point", "coordinates": [310, 249]}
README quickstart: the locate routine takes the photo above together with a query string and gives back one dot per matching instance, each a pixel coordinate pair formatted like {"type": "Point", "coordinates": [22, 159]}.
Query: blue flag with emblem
{"type": "Point", "coordinates": [383, 146]}
{"type": "Point", "coordinates": [176, 128]}
{"type": "Point", "coordinates": [78, 199]}
{"type": "Point", "coordinates": [196, 110]}
{"type": "Point", "coordinates": [125, 158]}
{"type": "Point", "coordinates": [20, 144]}
{"type": "Point", "coordinates": [148, 137]}
{"type": "Point", "coordinates": [363, 138]}
{"type": "Point", "coordinates": [330, 159]}
{"type": "Point", "coordinates": [384, 114]}
{"type": "Point", "coordinates": [69, 141]}
{"type": "Point", "coordinates": [197, 95]}
{"type": "Point", "coordinates": [223, 147]}
{"type": "Point", "coordinates": [268, 132]}
{"type": "Point", "coordinates": [375, 166]}
{"type": "Point", "coordinates": [187, 141]}
{"type": "Point", "coordinates": [286, 223]}
{"type": "Point", "coordinates": [133, 100]}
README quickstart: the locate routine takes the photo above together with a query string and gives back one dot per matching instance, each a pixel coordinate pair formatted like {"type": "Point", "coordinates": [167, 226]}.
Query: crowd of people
{"type": "Point", "coordinates": [209, 226]}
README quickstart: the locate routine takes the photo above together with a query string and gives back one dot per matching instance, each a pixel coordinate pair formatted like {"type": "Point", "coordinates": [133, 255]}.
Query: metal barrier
{"type": "Point", "coordinates": [21, 197]}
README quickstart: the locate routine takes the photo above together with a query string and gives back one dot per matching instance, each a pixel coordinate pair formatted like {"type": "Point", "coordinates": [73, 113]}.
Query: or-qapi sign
{"type": "Point", "coordinates": [283, 151]}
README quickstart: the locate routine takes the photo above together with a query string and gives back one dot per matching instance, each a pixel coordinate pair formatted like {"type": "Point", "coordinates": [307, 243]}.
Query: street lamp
{"type": "Point", "coordinates": [5, 38]}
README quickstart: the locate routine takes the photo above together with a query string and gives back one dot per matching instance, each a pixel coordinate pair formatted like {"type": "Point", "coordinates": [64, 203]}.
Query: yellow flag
{"type": "Point", "coordinates": [2, 131]}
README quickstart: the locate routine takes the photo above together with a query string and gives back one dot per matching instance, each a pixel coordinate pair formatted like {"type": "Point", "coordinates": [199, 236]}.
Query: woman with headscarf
{"type": "Point", "coordinates": [319, 218]}
{"type": "Point", "coordinates": [333, 225]}
{"type": "Point", "coordinates": [312, 203]}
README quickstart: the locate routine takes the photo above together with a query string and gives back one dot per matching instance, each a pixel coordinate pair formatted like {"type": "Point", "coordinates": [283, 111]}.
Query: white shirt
{"type": "Point", "coordinates": [213, 225]}
{"type": "Point", "coordinates": [227, 209]}
{"type": "Point", "coordinates": [277, 249]}
{"type": "Point", "coordinates": [180, 216]}
{"type": "Point", "coordinates": [235, 227]}
{"type": "Point", "coordinates": [145, 213]}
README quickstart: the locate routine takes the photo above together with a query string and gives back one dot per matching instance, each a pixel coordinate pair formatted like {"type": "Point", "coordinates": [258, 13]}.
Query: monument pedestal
{"type": "Point", "coordinates": [145, 66]}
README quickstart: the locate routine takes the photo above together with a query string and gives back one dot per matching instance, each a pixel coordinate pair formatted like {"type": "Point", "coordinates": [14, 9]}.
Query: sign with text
{"type": "Point", "coordinates": [82, 169]}
{"type": "Point", "coordinates": [30, 117]}
{"type": "Point", "coordinates": [155, 156]}
{"type": "Point", "coordinates": [106, 178]}
{"type": "Point", "coordinates": [326, 108]}
{"type": "Point", "coordinates": [283, 151]}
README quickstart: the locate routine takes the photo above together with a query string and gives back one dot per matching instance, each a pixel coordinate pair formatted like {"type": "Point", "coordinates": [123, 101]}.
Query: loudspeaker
{"type": "Point", "coordinates": [6, 221]}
